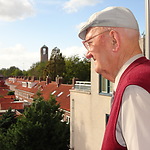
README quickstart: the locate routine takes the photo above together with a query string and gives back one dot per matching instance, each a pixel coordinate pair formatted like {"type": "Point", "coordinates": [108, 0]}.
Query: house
{"type": "Point", "coordinates": [90, 106]}
{"type": "Point", "coordinates": [4, 89]}
{"type": "Point", "coordinates": [7, 101]}
{"type": "Point", "coordinates": [26, 90]}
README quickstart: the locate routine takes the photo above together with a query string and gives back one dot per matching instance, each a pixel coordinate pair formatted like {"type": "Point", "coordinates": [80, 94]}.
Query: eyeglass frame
{"type": "Point", "coordinates": [85, 42]}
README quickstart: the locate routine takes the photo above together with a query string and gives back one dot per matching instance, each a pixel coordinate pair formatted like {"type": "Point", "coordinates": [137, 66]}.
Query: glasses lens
{"type": "Point", "coordinates": [86, 42]}
{"type": "Point", "coordinates": [86, 45]}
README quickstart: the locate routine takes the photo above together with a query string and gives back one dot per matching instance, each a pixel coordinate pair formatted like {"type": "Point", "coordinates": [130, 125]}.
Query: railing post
{"type": "Point", "coordinates": [147, 36]}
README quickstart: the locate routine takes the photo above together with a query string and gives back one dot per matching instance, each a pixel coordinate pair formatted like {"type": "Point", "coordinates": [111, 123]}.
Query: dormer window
{"type": "Point", "coordinates": [24, 84]}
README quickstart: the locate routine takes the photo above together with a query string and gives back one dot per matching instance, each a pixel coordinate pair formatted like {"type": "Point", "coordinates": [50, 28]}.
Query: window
{"type": "Point", "coordinates": [68, 95]}
{"type": "Point", "coordinates": [53, 92]}
{"type": "Point", "coordinates": [44, 50]}
{"type": "Point", "coordinates": [107, 117]}
{"type": "Point", "coordinates": [105, 86]}
{"type": "Point", "coordinates": [60, 94]}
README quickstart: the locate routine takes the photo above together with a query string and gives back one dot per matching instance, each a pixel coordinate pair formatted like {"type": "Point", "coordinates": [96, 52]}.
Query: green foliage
{"type": "Point", "coordinates": [77, 67]}
{"type": "Point", "coordinates": [40, 128]}
{"type": "Point", "coordinates": [6, 120]}
{"type": "Point", "coordinates": [12, 71]}
{"type": "Point", "coordinates": [37, 70]}
{"type": "Point", "coordinates": [17, 72]}
{"type": "Point", "coordinates": [11, 93]}
{"type": "Point", "coordinates": [1, 96]}
{"type": "Point", "coordinates": [56, 64]}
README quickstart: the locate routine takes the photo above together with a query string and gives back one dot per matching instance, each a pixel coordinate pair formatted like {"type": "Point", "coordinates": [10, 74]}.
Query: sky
{"type": "Point", "coordinates": [27, 25]}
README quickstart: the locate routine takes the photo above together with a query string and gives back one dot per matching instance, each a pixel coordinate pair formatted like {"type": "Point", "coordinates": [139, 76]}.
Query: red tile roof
{"type": "Point", "coordinates": [34, 89]}
{"type": "Point", "coordinates": [6, 103]}
{"type": "Point", "coordinates": [2, 83]}
{"type": "Point", "coordinates": [63, 99]}
{"type": "Point", "coordinates": [5, 106]}
{"type": "Point", "coordinates": [3, 88]}
{"type": "Point", "coordinates": [6, 100]}
{"type": "Point", "coordinates": [3, 92]}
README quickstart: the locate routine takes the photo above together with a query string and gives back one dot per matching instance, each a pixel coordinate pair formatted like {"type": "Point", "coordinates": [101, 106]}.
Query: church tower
{"type": "Point", "coordinates": [44, 53]}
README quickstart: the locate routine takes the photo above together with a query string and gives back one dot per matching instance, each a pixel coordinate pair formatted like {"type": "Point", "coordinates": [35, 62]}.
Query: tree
{"type": "Point", "coordinates": [7, 119]}
{"type": "Point", "coordinates": [77, 67]}
{"type": "Point", "coordinates": [83, 70]}
{"type": "Point", "coordinates": [40, 128]}
{"type": "Point", "coordinates": [17, 72]}
{"type": "Point", "coordinates": [37, 69]}
{"type": "Point", "coordinates": [3, 71]}
{"type": "Point", "coordinates": [56, 64]}
{"type": "Point", "coordinates": [11, 93]}
{"type": "Point", "coordinates": [12, 71]}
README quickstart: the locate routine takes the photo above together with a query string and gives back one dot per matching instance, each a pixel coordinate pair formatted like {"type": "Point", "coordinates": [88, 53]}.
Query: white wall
{"type": "Point", "coordinates": [88, 112]}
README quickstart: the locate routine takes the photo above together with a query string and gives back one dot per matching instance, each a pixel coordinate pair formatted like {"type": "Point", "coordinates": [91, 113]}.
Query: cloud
{"type": "Point", "coordinates": [74, 50]}
{"type": "Point", "coordinates": [74, 5]}
{"type": "Point", "coordinates": [18, 56]}
{"type": "Point", "coordinates": [49, 2]}
{"type": "Point", "coordinates": [11, 10]}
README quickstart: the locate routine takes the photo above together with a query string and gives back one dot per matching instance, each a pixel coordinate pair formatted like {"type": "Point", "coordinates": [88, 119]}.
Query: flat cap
{"type": "Point", "coordinates": [110, 17]}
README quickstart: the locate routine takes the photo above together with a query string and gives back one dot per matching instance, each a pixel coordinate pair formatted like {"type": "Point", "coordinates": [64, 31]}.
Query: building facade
{"type": "Point", "coordinates": [89, 112]}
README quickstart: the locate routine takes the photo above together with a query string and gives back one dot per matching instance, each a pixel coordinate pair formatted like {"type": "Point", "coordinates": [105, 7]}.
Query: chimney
{"type": "Point", "coordinates": [33, 78]}
{"type": "Point", "coordinates": [24, 78]}
{"type": "Point", "coordinates": [40, 79]}
{"type": "Point", "coordinates": [74, 81]}
{"type": "Point", "coordinates": [57, 77]}
{"type": "Point", "coordinates": [29, 78]}
{"type": "Point", "coordinates": [48, 80]}
{"type": "Point", "coordinates": [59, 80]}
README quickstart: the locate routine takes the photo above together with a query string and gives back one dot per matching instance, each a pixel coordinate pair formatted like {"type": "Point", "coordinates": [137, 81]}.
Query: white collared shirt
{"type": "Point", "coordinates": [124, 67]}
{"type": "Point", "coordinates": [133, 126]}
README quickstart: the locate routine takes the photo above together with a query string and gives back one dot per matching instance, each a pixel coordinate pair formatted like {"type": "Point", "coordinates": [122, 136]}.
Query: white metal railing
{"type": "Point", "coordinates": [83, 86]}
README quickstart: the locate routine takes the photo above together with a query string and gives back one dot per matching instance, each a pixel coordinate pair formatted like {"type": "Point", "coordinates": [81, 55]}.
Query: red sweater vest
{"type": "Point", "coordinates": [138, 73]}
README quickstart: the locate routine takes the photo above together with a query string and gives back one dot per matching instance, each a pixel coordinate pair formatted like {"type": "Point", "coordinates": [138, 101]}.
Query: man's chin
{"type": "Point", "coordinates": [97, 70]}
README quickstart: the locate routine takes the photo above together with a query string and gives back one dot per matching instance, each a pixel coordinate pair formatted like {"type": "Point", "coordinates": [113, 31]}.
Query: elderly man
{"type": "Point", "coordinates": [111, 37]}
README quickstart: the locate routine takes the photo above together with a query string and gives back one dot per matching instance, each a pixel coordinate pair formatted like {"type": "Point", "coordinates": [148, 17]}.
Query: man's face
{"type": "Point", "coordinates": [99, 49]}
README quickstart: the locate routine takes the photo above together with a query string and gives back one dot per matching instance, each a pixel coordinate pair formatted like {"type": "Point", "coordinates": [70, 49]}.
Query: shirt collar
{"type": "Point", "coordinates": [123, 68]}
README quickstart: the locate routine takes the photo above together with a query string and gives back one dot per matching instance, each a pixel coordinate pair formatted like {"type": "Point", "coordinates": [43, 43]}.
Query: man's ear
{"type": "Point", "coordinates": [115, 40]}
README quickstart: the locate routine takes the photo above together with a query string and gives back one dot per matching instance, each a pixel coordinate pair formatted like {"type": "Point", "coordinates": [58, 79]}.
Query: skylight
{"type": "Point", "coordinates": [68, 95]}
{"type": "Point", "coordinates": [60, 94]}
{"type": "Point", "coordinates": [53, 92]}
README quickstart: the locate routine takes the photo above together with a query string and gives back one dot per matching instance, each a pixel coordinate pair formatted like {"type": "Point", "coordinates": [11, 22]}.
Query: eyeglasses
{"type": "Point", "coordinates": [86, 43]}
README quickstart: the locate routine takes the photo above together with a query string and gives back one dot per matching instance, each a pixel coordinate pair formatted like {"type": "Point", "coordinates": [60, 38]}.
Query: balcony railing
{"type": "Point", "coordinates": [83, 86]}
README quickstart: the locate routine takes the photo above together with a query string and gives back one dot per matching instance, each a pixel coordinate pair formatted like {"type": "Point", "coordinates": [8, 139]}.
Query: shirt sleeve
{"type": "Point", "coordinates": [133, 126]}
